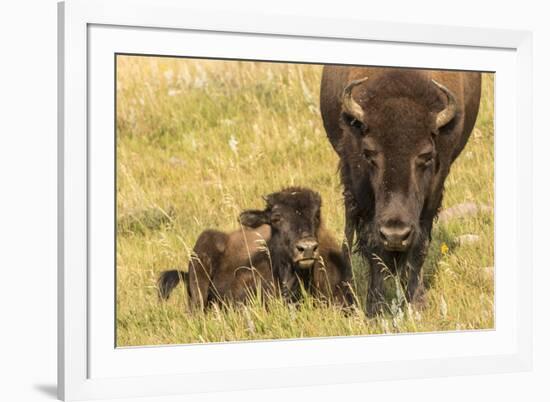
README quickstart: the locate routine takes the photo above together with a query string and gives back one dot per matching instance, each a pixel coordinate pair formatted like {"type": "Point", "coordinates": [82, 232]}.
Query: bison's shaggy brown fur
{"type": "Point", "coordinates": [397, 132]}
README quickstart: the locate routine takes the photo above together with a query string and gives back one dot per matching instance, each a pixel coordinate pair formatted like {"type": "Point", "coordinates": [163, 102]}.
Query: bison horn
{"type": "Point", "coordinates": [447, 114]}
{"type": "Point", "coordinates": [348, 103]}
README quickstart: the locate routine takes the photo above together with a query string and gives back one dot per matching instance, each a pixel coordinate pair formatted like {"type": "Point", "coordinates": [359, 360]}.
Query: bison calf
{"type": "Point", "coordinates": [274, 250]}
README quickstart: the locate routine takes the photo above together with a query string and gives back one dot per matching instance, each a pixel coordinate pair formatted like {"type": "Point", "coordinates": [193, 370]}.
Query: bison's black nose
{"type": "Point", "coordinates": [396, 238]}
{"type": "Point", "coordinates": [306, 248]}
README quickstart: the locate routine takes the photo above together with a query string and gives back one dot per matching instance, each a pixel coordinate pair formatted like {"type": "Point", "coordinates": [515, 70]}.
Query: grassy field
{"type": "Point", "coordinates": [198, 141]}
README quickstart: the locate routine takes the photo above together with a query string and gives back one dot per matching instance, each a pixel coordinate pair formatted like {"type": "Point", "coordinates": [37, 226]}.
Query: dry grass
{"type": "Point", "coordinates": [198, 141]}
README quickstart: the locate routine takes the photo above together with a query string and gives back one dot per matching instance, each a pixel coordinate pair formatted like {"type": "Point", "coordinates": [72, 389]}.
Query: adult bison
{"type": "Point", "coordinates": [396, 132]}
{"type": "Point", "coordinates": [275, 250]}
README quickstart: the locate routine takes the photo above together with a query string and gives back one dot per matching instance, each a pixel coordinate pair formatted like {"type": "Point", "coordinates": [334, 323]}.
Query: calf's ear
{"type": "Point", "coordinates": [254, 218]}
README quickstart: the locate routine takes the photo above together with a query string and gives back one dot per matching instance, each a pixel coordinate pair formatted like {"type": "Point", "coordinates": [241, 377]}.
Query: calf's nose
{"type": "Point", "coordinates": [396, 238]}
{"type": "Point", "coordinates": [306, 248]}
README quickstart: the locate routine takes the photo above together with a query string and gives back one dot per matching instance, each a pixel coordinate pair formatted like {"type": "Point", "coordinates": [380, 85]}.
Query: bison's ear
{"type": "Point", "coordinates": [254, 218]}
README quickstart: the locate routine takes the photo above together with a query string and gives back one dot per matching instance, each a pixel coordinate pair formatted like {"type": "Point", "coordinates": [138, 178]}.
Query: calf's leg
{"type": "Point", "coordinates": [206, 258]}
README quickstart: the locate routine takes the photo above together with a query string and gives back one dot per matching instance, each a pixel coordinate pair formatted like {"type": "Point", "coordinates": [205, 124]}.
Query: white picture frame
{"type": "Point", "coordinates": [91, 32]}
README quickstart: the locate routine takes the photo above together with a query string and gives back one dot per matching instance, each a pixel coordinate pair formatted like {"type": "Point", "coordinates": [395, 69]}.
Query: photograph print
{"type": "Point", "coordinates": [264, 200]}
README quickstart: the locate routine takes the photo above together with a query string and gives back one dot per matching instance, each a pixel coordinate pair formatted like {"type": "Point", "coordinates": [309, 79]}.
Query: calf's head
{"type": "Point", "coordinates": [390, 132]}
{"type": "Point", "coordinates": [294, 215]}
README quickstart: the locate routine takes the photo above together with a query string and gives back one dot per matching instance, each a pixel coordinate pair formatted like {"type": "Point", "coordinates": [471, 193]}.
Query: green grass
{"type": "Point", "coordinates": [198, 141]}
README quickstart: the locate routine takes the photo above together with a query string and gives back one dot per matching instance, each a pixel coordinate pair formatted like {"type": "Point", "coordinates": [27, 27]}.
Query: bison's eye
{"type": "Point", "coordinates": [370, 156]}
{"type": "Point", "coordinates": [426, 159]}
{"type": "Point", "coordinates": [355, 124]}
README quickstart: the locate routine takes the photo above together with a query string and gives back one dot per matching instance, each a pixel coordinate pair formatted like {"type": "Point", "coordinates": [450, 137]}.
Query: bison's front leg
{"type": "Point", "coordinates": [375, 294]}
{"type": "Point", "coordinates": [350, 225]}
{"type": "Point", "coordinates": [416, 292]}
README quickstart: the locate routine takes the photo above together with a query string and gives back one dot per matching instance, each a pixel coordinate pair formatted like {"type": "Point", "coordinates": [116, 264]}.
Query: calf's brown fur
{"type": "Point", "coordinates": [274, 250]}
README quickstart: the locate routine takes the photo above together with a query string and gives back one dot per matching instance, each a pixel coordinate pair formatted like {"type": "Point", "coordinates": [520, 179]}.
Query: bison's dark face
{"type": "Point", "coordinates": [294, 215]}
{"type": "Point", "coordinates": [390, 143]}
